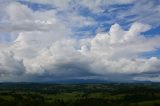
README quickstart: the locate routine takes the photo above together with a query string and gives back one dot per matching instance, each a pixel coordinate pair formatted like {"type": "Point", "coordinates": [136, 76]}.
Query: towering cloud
{"type": "Point", "coordinates": [45, 46]}
{"type": "Point", "coordinates": [114, 52]}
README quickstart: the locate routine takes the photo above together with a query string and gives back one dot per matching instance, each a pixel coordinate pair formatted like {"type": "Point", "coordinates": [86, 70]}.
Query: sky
{"type": "Point", "coordinates": [79, 40]}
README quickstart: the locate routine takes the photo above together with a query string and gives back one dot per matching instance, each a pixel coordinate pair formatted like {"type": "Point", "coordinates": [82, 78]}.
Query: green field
{"type": "Point", "coordinates": [111, 94]}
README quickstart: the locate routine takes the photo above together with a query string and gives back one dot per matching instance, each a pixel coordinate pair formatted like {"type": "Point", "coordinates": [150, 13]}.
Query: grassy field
{"type": "Point", "coordinates": [113, 94]}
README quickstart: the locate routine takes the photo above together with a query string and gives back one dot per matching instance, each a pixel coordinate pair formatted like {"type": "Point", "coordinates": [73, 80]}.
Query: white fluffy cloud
{"type": "Point", "coordinates": [113, 52]}
{"type": "Point", "coordinates": [45, 48]}
{"type": "Point", "coordinates": [23, 19]}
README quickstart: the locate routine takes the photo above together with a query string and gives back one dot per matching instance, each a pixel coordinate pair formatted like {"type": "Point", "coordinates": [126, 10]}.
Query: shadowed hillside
{"type": "Point", "coordinates": [112, 94]}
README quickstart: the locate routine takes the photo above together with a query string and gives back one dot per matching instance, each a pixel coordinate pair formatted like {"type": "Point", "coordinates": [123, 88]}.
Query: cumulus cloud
{"type": "Point", "coordinates": [113, 52]}
{"type": "Point", "coordinates": [10, 67]}
{"type": "Point", "coordinates": [45, 47]}
{"type": "Point", "coordinates": [23, 19]}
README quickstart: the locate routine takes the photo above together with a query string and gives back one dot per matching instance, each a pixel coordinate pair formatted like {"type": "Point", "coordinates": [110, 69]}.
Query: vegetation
{"type": "Point", "coordinates": [113, 94]}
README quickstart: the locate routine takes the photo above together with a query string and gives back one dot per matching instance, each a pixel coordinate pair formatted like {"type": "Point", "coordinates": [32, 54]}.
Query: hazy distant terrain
{"type": "Point", "coordinates": [111, 94]}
